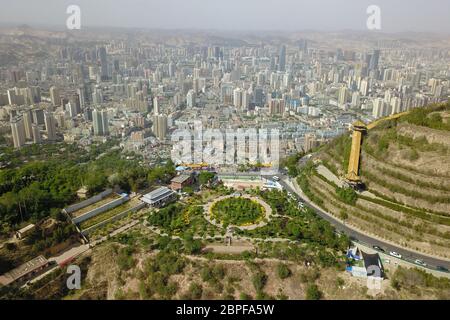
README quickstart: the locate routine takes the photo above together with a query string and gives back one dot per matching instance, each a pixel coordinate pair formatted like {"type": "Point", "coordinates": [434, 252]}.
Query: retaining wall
{"type": "Point", "coordinates": [87, 202]}
{"type": "Point", "coordinates": [105, 207]}
{"type": "Point", "coordinates": [116, 217]}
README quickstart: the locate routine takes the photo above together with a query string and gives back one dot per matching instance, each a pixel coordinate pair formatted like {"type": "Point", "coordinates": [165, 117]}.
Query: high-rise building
{"type": "Point", "coordinates": [259, 96]}
{"type": "Point", "coordinates": [171, 69]}
{"type": "Point", "coordinates": [3, 99]}
{"type": "Point", "coordinates": [439, 91]}
{"type": "Point", "coordinates": [155, 106]}
{"type": "Point", "coordinates": [105, 122]}
{"type": "Point", "coordinates": [245, 100]}
{"type": "Point", "coordinates": [18, 132]}
{"type": "Point", "coordinates": [100, 122]}
{"type": "Point", "coordinates": [36, 93]}
{"type": "Point", "coordinates": [396, 105]}
{"type": "Point", "coordinates": [226, 93]}
{"type": "Point", "coordinates": [82, 98]}
{"type": "Point", "coordinates": [374, 59]}
{"type": "Point", "coordinates": [160, 126]}
{"type": "Point", "coordinates": [71, 108]}
{"type": "Point", "coordinates": [416, 79]}
{"type": "Point", "coordinates": [310, 142]}
{"type": "Point", "coordinates": [55, 96]}
{"type": "Point", "coordinates": [356, 99]}
{"type": "Point", "coordinates": [50, 125]}
{"type": "Point", "coordinates": [190, 99]}
{"type": "Point", "coordinates": [195, 85]}
{"type": "Point", "coordinates": [103, 63]}
{"type": "Point", "coordinates": [387, 96]}
{"type": "Point", "coordinates": [276, 106]}
{"type": "Point", "coordinates": [196, 73]}
{"type": "Point", "coordinates": [38, 116]}
{"type": "Point", "coordinates": [260, 79]}
{"type": "Point", "coordinates": [36, 133]}
{"type": "Point", "coordinates": [343, 96]}
{"type": "Point", "coordinates": [237, 98]}
{"type": "Point", "coordinates": [97, 96]}
{"type": "Point", "coordinates": [380, 108]}
{"type": "Point", "coordinates": [15, 96]}
{"type": "Point", "coordinates": [27, 121]}
{"type": "Point", "coordinates": [364, 88]}
{"type": "Point", "coordinates": [97, 122]}
{"type": "Point", "coordinates": [282, 59]}
{"type": "Point", "coordinates": [116, 64]}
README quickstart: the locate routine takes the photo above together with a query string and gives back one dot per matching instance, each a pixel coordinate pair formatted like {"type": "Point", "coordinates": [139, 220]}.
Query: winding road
{"type": "Point", "coordinates": [364, 239]}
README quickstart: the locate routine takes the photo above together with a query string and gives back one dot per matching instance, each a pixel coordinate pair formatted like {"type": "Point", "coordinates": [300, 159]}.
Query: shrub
{"type": "Point", "coordinates": [259, 280]}
{"type": "Point", "coordinates": [310, 275]}
{"type": "Point", "coordinates": [125, 258]}
{"type": "Point", "coordinates": [313, 292]}
{"type": "Point", "coordinates": [347, 195]}
{"type": "Point", "coordinates": [207, 274]}
{"type": "Point", "coordinates": [219, 272]}
{"type": "Point", "coordinates": [245, 296]}
{"type": "Point", "coordinates": [196, 290]}
{"type": "Point", "coordinates": [283, 271]}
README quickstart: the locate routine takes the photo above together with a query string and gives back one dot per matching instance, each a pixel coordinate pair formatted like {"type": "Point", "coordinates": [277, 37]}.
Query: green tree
{"type": "Point", "coordinates": [205, 177]}
{"type": "Point", "coordinates": [343, 215]}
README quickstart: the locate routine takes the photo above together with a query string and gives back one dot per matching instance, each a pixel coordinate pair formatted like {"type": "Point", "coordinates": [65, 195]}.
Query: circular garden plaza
{"type": "Point", "coordinates": [241, 211]}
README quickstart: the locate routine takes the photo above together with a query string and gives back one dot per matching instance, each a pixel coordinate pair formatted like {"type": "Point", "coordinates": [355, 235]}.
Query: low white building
{"type": "Point", "coordinates": [159, 197]}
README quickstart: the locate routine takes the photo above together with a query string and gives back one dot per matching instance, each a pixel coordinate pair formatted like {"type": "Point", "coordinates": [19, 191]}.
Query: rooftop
{"type": "Point", "coordinates": [25, 229]}
{"type": "Point", "coordinates": [23, 270]}
{"type": "Point", "coordinates": [181, 178]}
{"type": "Point", "coordinates": [156, 195]}
{"type": "Point", "coordinates": [359, 124]}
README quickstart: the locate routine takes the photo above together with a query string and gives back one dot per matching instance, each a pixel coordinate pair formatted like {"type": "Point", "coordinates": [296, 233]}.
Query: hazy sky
{"type": "Point", "coordinates": [396, 15]}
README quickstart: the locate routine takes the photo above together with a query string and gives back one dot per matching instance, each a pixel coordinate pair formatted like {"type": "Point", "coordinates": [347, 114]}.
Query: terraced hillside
{"type": "Point", "coordinates": [405, 166]}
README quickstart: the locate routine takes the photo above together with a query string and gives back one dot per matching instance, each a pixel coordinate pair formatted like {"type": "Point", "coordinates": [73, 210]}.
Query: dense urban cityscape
{"type": "Point", "coordinates": [139, 90]}
{"type": "Point", "coordinates": [189, 164]}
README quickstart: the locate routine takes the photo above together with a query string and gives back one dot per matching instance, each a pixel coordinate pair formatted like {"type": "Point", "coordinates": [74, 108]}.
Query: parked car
{"type": "Point", "coordinates": [395, 254]}
{"type": "Point", "coordinates": [276, 178]}
{"type": "Point", "coordinates": [420, 262]}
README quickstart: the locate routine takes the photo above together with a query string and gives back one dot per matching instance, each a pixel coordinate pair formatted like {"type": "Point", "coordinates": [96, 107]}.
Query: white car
{"type": "Point", "coordinates": [420, 263]}
{"type": "Point", "coordinates": [276, 178]}
{"type": "Point", "coordinates": [395, 254]}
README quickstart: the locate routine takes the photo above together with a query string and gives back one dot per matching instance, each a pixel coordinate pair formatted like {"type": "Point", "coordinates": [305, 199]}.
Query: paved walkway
{"type": "Point", "coordinates": [220, 237]}
{"type": "Point", "coordinates": [324, 171]}
{"type": "Point", "coordinates": [70, 254]}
